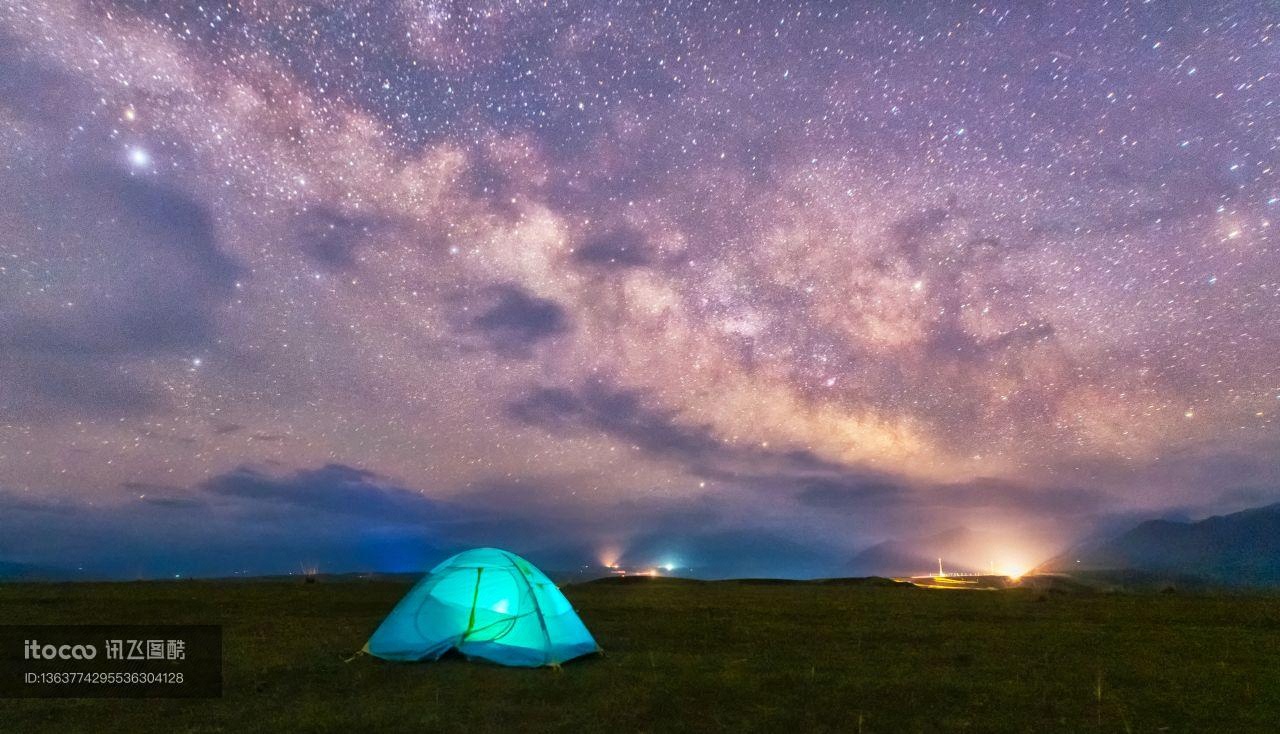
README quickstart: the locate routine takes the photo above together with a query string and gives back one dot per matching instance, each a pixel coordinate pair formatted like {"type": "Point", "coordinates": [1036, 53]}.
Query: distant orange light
{"type": "Point", "coordinates": [609, 557]}
{"type": "Point", "coordinates": [1014, 570]}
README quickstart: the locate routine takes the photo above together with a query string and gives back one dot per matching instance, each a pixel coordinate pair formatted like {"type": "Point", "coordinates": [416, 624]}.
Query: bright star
{"type": "Point", "coordinates": [139, 158]}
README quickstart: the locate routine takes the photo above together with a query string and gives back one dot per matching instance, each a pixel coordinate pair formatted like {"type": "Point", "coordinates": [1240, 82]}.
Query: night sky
{"type": "Point", "coordinates": [742, 287]}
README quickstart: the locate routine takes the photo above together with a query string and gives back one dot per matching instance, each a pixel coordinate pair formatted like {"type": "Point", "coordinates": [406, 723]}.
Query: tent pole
{"type": "Point", "coordinates": [475, 597]}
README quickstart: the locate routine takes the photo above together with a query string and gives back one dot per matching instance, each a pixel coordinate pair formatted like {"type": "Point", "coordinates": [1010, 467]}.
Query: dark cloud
{"type": "Point", "coordinates": [848, 492]}
{"type": "Point", "coordinates": [333, 239]}
{"type": "Point", "coordinates": [177, 503]}
{"type": "Point", "coordinates": [149, 274]}
{"type": "Point", "coordinates": [951, 340]}
{"type": "Point", "coordinates": [186, 536]}
{"type": "Point", "coordinates": [147, 487]}
{"type": "Point", "coordinates": [13, 502]}
{"type": "Point", "coordinates": [36, 92]}
{"type": "Point", "coordinates": [620, 413]}
{"type": "Point", "coordinates": [34, 385]}
{"type": "Point", "coordinates": [618, 248]}
{"type": "Point", "coordinates": [165, 496]}
{"type": "Point", "coordinates": [554, 408]}
{"type": "Point", "coordinates": [513, 321]}
{"type": "Point", "coordinates": [141, 275]}
{"type": "Point", "coordinates": [334, 488]}
{"type": "Point", "coordinates": [912, 235]}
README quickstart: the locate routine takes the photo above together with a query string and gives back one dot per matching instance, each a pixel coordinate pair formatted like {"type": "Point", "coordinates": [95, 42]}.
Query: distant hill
{"type": "Point", "coordinates": [915, 556]}
{"type": "Point", "coordinates": [1242, 548]}
{"type": "Point", "coordinates": [709, 554]}
{"type": "Point", "coordinates": [11, 571]}
{"type": "Point", "coordinates": [871, 581]}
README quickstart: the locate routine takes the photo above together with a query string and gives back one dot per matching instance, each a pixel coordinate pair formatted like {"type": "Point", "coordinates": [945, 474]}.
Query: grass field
{"type": "Point", "coordinates": [731, 656]}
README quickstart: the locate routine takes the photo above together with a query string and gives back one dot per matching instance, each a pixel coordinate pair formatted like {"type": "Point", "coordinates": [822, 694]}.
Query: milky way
{"type": "Point", "coordinates": [632, 278]}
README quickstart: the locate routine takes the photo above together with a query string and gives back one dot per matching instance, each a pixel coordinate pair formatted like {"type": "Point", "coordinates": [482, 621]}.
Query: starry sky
{"type": "Point", "coordinates": [733, 286]}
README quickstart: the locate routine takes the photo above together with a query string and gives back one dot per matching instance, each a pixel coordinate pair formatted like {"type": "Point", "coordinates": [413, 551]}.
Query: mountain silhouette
{"type": "Point", "coordinates": [1242, 548]}
{"type": "Point", "coordinates": [919, 556]}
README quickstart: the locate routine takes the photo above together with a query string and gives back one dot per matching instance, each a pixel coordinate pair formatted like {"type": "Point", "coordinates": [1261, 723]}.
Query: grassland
{"type": "Point", "coordinates": [685, 656]}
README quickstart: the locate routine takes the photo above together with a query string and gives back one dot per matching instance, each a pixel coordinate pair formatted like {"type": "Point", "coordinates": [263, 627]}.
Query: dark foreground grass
{"type": "Point", "coordinates": [705, 657]}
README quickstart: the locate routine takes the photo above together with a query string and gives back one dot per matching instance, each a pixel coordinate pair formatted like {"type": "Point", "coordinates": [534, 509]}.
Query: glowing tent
{"type": "Point", "coordinates": [485, 603]}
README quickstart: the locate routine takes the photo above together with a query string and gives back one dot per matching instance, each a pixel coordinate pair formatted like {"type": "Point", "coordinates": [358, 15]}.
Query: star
{"type": "Point", "coordinates": [139, 158]}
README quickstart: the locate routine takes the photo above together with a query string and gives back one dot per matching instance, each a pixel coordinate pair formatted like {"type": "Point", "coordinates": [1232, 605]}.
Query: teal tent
{"type": "Point", "coordinates": [485, 603]}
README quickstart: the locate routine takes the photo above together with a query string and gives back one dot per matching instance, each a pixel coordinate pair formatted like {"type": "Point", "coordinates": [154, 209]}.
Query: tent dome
{"type": "Point", "coordinates": [486, 603]}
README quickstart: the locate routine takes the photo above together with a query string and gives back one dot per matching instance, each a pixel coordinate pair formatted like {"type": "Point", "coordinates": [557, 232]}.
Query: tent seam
{"type": "Point", "coordinates": [537, 606]}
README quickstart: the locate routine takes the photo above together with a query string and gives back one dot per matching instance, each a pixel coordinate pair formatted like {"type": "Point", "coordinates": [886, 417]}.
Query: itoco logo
{"type": "Point", "coordinates": [33, 650]}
